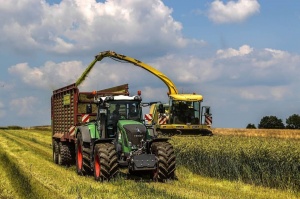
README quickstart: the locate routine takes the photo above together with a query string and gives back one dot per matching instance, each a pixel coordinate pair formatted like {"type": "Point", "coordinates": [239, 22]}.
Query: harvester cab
{"type": "Point", "coordinates": [188, 110]}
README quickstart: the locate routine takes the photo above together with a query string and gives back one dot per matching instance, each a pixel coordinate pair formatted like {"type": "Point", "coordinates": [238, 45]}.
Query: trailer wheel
{"type": "Point", "coordinates": [55, 151]}
{"type": "Point", "coordinates": [105, 162]}
{"type": "Point", "coordinates": [64, 154]}
{"type": "Point", "coordinates": [166, 161]}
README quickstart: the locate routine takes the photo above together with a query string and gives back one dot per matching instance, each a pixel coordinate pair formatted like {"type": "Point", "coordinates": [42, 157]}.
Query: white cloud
{"type": "Point", "coordinates": [279, 92]}
{"type": "Point", "coordinates": [24, 106]}
{"type": "Point", "coordinates": [75, 25]}
{"type": "Point", "coordinates": [240, 68]}
{"type": "Point", "coordinates": [232, 11]}
{"type": "Point", "coordinates": [49, 76]}
{"type": "Point", "coordinates": [264, 92]}
{"type": "Point", "coordinates": [155, 94]}
{"type": "Point", "coordinates": [272, 57]}
{"type": "Point", "coordinates": [265, 63]}
{"type": "Point", "coordinates": [230, 52]}
{"type": "Point", "coordinates": [186, 69]}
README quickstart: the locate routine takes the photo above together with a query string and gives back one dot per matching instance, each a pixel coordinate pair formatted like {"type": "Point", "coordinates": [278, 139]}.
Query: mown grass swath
{"type": "Point", "coordinates": [30, 173]}
{"type": "Point", "coordinates": [268, 162]}
{"type": "Point", "coordinates": [21, 180]}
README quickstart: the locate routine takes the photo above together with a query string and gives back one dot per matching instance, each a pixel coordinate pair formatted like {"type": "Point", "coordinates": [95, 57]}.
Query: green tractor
{"type": "Point", "coordinates": [118, 138]}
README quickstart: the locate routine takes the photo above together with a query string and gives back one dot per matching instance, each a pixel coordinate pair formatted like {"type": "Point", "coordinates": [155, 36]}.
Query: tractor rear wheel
{"type": "Point", "coordinates": [166, 161]}
{"type": "Point", "coordinates": [79, 155]}
{"type": "Point", "coordinates": [105, 161]}
{"type": "Point", "coordinates": [55, 151]}
{"type": "Point", "coordinates": [82, 156]}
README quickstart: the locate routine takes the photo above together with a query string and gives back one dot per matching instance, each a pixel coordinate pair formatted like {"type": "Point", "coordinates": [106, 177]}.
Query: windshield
{"type": "Point", "coordinates": [185, 112]}
{"type": "Point", "coordinates": [124, 110]}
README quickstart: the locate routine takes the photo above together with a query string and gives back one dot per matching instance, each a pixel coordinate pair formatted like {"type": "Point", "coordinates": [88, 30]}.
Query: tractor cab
{"type": "Point", "coordinates": [112, 109]}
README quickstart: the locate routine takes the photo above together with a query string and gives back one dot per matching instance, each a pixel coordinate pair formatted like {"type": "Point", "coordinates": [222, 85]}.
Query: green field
{"type": "Point", "coordinates": [27, 170]}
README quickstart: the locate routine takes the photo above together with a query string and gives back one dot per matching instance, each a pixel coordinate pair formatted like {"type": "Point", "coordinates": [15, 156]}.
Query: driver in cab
{"type": "Point", "coordinates": [116, 112]}
{"type": "Point", "coordinates": [133, 113]}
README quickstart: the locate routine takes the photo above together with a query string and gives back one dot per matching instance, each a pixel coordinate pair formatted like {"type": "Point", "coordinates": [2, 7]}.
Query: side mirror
{"type": "Point", "coordinates": [161, 108]}
{"type": "Point", "coordinates": [207, 110]}
{"type": "Point", "coordinates": [89, 109]}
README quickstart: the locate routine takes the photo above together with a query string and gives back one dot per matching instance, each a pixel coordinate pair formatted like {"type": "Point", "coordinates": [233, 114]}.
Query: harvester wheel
{"type": "Point", "coordinates": [206, 132]}
{"type": "Point", "coordinates": [55, 151]}
{"type": "Point", "coordinates": [166, 161]}
{"type": "Point", "coordinates": [64, 154]}
{"type": "Point", "coordinates": [105, 161]}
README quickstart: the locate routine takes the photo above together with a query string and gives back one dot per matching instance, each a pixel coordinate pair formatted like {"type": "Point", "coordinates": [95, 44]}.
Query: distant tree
{"type": "Point", "coordinates": [14, 127]}
{"type": "Point", "coordinates": [270, 122]}
{"type": "Point", "coordinates": [251, 126]}
{"type": "Point", "coordinates": [293, 122]}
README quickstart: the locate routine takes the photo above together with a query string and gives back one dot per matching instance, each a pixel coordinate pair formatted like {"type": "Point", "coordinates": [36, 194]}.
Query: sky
{"type": "Point", "coordinates": [243, 56]}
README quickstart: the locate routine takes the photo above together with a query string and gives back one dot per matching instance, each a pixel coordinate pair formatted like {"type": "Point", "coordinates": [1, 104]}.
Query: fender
{"type": "Point", "coordinates": [85, 132]}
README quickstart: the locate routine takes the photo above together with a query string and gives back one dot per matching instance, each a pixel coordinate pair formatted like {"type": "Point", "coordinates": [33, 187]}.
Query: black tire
{"type": "Point", "coordinates": [105, 161]}
{"type": "Point", "coordinates": [82, 157]}
{"type": "Point", "coordinates": [206, 132]}
{"type": "Point", "coordinates": [166, 164]}
{"type": "Point", "coordinates": [79, 155]}
{"type": "Point", "coordinates": [64, 155]}
{"type": "Point", "coordinates": [55, 151]}
{"type": "Point", "coordinates": [72, 152]}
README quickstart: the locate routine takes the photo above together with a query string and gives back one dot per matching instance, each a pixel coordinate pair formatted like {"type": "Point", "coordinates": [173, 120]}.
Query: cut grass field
{"type": "Point", "coordinates": [27, 171]}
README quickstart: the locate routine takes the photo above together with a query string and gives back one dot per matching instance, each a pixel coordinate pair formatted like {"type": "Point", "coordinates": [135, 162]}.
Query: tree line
{"type": "Point", "coordinates": [272, 122]}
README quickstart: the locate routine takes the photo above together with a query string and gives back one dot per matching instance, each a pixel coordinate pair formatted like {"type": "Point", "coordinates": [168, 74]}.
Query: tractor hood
{"type": "Point", "coordinates": [134, 131]}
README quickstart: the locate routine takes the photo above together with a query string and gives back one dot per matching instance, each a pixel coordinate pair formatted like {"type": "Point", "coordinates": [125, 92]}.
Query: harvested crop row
{"type": "Point", "coordinates": [43, 138]}
{"type": "Point", "coordinates": [29, 144]}
{"type": "Point", "coordinates": [33, 166]}
{"type": "Point", "coordinates": [19, 170]}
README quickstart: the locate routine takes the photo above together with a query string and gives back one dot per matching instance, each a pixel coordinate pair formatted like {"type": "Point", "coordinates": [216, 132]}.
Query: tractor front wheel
{"type": "Point", "coordinates": [164, 153]}
{"type": "Point", "coordinates": [105, 161]}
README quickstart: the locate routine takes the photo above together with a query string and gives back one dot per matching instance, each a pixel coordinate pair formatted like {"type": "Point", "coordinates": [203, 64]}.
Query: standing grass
{"type": "Point", "coordinates": [270, 162]}
{"type": "Point", "coordinates": [275, 133]}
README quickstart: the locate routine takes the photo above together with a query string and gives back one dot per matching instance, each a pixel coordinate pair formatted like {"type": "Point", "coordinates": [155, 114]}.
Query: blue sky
{"type": "Point", "coordinates": [243, 56]}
